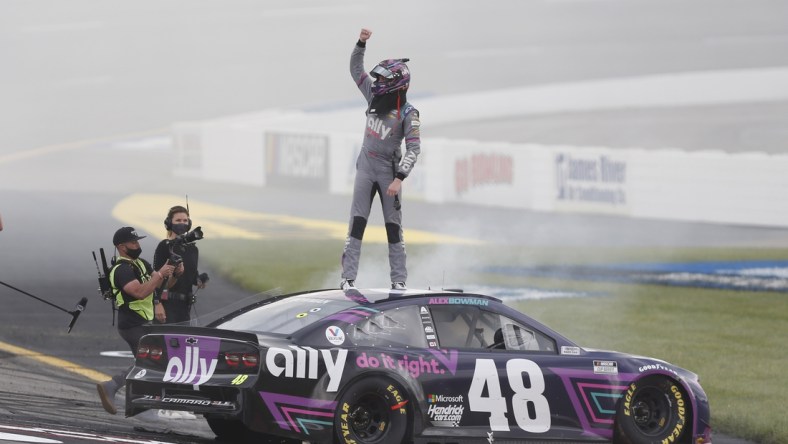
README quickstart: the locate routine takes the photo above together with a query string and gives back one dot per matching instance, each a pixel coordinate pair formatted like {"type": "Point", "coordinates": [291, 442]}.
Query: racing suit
{"type": "Point", "coordinates": [378, 163]}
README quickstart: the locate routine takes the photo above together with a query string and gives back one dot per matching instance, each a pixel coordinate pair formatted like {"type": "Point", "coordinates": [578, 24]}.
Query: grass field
{"type": "Point", "coordinates": [733, 339]}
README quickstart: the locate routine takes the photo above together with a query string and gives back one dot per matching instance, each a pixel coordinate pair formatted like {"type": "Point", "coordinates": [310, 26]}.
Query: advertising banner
{"type": "Point", "coordinates": [297, 160]}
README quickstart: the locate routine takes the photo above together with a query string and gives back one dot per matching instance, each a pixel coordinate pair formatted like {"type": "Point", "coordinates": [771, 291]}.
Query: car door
{"type": "Point", "coordinates": [499, 389]}
{"type": "Point", "coordinates": [511, 384]}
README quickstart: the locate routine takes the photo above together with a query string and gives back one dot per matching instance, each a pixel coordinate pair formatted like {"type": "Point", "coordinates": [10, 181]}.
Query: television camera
{"type": "Point", "coordinates": [178, 245]}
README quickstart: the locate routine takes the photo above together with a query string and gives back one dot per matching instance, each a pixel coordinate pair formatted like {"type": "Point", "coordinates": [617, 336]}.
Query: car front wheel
{"type": "Point", "coordinates": [372, 410]}
{"type": "Point", "coordinates": [654, 410]}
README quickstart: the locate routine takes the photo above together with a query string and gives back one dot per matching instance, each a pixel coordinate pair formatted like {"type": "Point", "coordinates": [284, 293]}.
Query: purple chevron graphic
{"type": "Point", "coordinates": [446, 357]}
{"type": "Point", "coordinates": [577, 380]}
{"type": "Point", "coordinates": [290, 411]}
{"type": "Point", "coordinates": [603, 390]}
{"type": "Point", "coordinates": [356, 296]}
{"type": "Point", "coordinates": [352, 315]}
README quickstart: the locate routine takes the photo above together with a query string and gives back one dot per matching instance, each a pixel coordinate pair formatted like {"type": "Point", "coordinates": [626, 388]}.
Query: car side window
{"type": "Point", "coordinates": [472, 327]}
{"type": "Point", "coordinates": [397, 327]}
{"type": "Point", "coordinates": [464, 326]}
{"type": "Point", "coordinates": [515, 336]}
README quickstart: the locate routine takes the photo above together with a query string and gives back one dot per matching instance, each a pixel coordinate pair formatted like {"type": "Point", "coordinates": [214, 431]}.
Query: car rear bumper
{"type": "Point", "coordinates": [222, 401]}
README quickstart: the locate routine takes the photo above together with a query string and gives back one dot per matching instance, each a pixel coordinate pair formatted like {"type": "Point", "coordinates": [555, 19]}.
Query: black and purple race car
{"type": "Point", "coordinates": [386, 366]}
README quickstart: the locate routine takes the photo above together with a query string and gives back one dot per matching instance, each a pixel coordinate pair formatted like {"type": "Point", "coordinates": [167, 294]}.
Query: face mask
{"type": "Point", "coordinates": [134, 254]}
{"type": "Point", "coordinates": [180, 228]}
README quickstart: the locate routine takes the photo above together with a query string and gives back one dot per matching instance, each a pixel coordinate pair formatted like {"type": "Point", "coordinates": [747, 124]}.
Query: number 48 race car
{"type": "Point", "coordinates": [388, 366]}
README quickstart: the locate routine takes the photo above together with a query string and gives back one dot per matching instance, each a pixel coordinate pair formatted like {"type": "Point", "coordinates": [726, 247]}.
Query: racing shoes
{"type": "Point", "coordinates": [347, 284]}
{"type": "Point", "coordinates": [398, 286]}
{"type": "Point", "coordinates": [106, 391]}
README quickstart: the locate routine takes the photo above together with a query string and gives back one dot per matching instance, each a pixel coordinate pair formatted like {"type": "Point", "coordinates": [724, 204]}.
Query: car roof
{"type": "Point", "coordinates": [386, 298]}
{"type": "Point", "coordinates": [381, 295]}
{"type": "Point", "coordinates": [374, 296]}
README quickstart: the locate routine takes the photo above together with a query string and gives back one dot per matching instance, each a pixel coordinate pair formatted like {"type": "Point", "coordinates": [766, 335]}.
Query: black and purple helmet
{"type": "Point", "coordinates": [391, 75]}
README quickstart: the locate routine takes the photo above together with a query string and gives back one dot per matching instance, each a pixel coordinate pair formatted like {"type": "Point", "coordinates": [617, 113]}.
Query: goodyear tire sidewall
{"type": "Point", "coordinates": [396, 400]}
{"type": "Point", "coordinates": [627, 432]}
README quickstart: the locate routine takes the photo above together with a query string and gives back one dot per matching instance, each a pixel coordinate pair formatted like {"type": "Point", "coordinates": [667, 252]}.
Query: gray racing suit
{"type": "Point", "coordinates": [378, 163]}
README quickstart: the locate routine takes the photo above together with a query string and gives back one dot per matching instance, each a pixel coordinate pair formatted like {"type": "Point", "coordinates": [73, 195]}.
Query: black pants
{"type": "Point", "coordinates": [132, 337]}
{"type": "Point", "coordinates": [177, 311]}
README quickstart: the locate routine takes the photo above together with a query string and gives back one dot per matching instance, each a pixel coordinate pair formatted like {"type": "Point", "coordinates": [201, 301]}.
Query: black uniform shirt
{"type": "Point", "coordinates": [190, 255]}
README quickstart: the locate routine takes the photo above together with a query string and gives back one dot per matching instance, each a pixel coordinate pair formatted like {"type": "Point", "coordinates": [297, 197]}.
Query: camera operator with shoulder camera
{"type": "Point", "coordinates": [173, 302]}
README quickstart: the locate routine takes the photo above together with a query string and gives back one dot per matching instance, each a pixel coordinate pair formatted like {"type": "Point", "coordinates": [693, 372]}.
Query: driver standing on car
{"type": "Point", "coordinates": [381, 167]}
{"type": "Point", "coordinates": [133, 282]}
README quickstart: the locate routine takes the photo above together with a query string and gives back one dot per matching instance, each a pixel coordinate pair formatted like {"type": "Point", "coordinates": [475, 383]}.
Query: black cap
{"type": "Point", "coordinates": [125, 234]}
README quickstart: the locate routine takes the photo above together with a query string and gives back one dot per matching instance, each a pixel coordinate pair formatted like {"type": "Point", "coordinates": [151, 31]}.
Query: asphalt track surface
{"type": "Point", "coordinates": [89, 90]}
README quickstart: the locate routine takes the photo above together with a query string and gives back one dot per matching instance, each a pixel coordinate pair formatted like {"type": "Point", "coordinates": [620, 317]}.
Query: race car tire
{"type": "Point", "coordinates": [654, 409]}
{"type": "Point", "coordinates": [372, 410]}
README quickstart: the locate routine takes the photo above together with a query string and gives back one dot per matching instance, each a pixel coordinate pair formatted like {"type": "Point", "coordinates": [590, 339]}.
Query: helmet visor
{"type": "Point", "coordinates": [382, 72]}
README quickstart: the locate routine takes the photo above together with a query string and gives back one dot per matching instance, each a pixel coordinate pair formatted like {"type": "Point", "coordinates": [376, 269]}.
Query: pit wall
{"type": "Point", "coordinates": [700, 186]}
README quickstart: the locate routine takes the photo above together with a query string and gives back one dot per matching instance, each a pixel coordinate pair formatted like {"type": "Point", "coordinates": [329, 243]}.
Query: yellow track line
{"type": "Point", "coordinates": [144, 212]}
{"type": "Point", "coordinates": [91, 374]}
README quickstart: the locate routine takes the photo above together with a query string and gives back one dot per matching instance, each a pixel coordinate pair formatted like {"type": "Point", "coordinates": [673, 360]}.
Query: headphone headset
{"type": "Point", "coordinates": [174, 210]}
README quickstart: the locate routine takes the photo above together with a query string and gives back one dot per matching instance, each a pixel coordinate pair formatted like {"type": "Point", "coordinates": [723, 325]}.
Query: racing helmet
{"type": "Point", "coordinates": [391, 75]}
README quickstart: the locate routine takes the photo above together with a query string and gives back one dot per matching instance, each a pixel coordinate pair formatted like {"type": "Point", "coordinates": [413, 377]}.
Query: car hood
{"type": "Point", "coordinates": [643, 364]}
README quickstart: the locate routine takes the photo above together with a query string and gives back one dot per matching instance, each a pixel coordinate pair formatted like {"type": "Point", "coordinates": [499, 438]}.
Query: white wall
{"type": "Point", "coordinates": [707, 186]}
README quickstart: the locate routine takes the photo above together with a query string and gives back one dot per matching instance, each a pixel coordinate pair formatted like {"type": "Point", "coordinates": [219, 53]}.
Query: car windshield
{"type": "Point", "coordinates": [287, 315]}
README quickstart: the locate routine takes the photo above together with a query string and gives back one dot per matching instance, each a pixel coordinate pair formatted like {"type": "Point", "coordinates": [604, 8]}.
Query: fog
{"type": "Point", "coordinates": [87, 69]}
{"type": "Point", "coordinates": [90, 89]}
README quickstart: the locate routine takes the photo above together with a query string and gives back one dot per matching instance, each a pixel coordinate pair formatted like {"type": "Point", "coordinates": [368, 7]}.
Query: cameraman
{"type": "Point", "coordinates": [174, 305]}
{"type": "Point", "coordinates": [133, 281]}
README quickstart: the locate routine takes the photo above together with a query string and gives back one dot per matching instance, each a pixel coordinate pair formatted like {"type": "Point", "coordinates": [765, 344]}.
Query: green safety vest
{"type": "Point", "coordinates": [143, 307]}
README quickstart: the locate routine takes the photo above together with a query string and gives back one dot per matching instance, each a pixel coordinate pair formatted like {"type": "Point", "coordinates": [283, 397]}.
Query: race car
{"type": "Point", "coordinates": [420, 366]}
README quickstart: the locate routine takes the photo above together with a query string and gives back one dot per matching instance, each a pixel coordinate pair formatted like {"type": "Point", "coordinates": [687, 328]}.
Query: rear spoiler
{"type": "Point", "coordinates": [201, 331]}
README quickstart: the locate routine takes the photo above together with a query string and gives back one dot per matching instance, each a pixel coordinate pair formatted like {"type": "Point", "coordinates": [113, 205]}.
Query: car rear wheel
{"type": "Point", "coordinates": [372, 410]}
{"type": "Point", "coordinates": [653, 410]}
